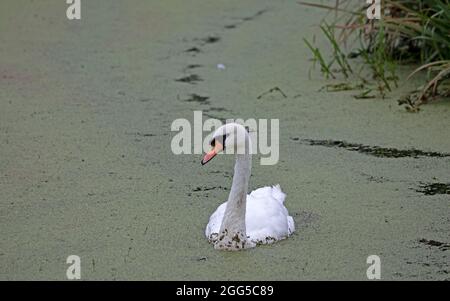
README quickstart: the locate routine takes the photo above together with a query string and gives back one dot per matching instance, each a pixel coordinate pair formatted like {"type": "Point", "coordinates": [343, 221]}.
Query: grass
{"type": "Point", "coordinates": [409, 32]}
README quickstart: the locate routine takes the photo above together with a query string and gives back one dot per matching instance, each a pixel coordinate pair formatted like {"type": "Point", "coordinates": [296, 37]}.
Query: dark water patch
{"type": "Point", "coordinates": [375, 179]}
{"type": "Point", "coordinates": [246, 19]}
{"type": "Point", "coordinates": [226, 174]}
{"type": "Point", "coordinates": [190, 79]}
{"type": "Point", "coordinates": [192, 66]}
{"type": "Point", "coordinates": [434, 243]}
{"type": "Point", "coordinates": [376, 151]}
{"type": "Point", "coordinates": [139, 134]}
{"type": "Point", "coordinates": [257, 14]}
{"type": "Point", "coordinates": [221, 119]}
{"type": "Point", "coordinates": [198, 188]}
{"type": "Point", "coordinates": [145, 99]}
{"type": "Point", "coordinates": [434, 188]}
{"type": "Point", "coordinates": [145, 135]}
{"type": "Point", "coordinates": [217, 109]}
{"type": "Point", "coordinates": [197, 98]}
{"type": "Point", "coordinates": [193, 50]}
{"type": "Point", "coordinates": [211, 39]}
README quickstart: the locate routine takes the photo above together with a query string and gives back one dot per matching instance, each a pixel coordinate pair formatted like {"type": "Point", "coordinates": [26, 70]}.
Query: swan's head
{"type": "Point", "coordinates": [231, 136]}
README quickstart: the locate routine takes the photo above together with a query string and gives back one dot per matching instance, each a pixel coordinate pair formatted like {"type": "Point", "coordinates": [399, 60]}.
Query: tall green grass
{"type": "Point", "coordinates": [410, 32]}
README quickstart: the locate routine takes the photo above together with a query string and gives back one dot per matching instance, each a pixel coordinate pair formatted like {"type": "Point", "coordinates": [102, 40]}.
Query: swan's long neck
{"type": "Point", "coordinates": [234, 218]}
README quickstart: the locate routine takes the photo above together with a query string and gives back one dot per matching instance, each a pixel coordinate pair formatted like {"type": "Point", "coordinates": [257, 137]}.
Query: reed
{"type": "Point", "coordinates": [409, 33]}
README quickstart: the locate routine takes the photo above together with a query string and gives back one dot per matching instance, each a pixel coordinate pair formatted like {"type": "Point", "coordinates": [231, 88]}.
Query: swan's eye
{"type": "Point", "coordinates": [223, 140]}
{"type": "Point", "coordinates": [220, 139]}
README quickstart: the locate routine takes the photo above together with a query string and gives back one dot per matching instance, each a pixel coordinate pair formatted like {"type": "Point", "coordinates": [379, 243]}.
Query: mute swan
{"type": "Point", "coordinates": [245, 221]}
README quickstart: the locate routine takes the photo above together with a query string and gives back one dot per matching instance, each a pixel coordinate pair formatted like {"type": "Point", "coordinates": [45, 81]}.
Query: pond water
{"type": "Point", "coordinates": [86, 166]}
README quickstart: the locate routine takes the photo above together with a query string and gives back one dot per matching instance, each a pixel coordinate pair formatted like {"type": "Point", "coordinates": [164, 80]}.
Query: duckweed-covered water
{"type": "Point", "coordinates": [86, 166]}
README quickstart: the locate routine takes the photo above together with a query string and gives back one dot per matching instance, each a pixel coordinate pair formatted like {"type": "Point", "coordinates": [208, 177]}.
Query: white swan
{"type": "Point", "coordinates": [245, 221]}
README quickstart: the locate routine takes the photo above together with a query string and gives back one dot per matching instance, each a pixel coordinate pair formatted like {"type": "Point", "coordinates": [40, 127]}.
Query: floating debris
{"type": "Point", "coordinates": [376, 151]}
{"type": "Point", "coordinates": [221, 66]}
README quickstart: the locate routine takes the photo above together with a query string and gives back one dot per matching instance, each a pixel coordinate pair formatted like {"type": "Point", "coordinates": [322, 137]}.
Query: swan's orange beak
{"type": "Point", "coordinates": [218, 147]}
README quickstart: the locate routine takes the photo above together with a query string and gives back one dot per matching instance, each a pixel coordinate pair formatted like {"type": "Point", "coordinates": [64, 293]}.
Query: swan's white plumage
{"type": "Point", "coordinates": [266, 219]}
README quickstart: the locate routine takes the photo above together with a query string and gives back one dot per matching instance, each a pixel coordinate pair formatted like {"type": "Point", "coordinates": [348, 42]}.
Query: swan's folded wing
{"type": "Point", "coordinates": [278, 194]}
{"type": "Point", "coordinates": [266, 216]}
{"type": "Point", "coordinates": [261, 192]}
{"type": "Point", "coordinates": [273, 191]}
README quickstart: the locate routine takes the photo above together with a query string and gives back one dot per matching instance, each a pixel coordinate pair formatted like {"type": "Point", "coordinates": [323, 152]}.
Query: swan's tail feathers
{"type": "Point", "coordinates": [278, 194]}
{"type": "Point", "coordinates": [291, 225]}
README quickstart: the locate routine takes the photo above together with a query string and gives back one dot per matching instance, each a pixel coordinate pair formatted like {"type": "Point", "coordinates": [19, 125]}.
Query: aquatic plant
{"type": "Point", "coordinates": [409, 32]}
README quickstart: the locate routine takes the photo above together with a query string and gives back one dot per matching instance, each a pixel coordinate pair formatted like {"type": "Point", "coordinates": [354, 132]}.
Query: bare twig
{"type": "Point", "coordinates": [272, 90]}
